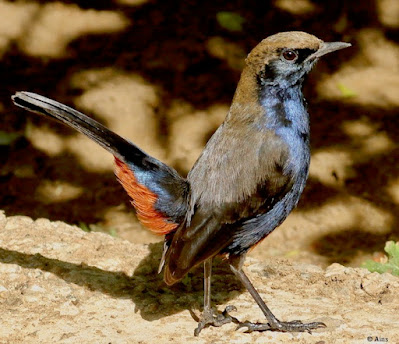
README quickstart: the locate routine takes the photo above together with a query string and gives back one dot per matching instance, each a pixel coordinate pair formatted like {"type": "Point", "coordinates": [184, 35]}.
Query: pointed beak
{"type": "Point", "coordinates": [328, 47]}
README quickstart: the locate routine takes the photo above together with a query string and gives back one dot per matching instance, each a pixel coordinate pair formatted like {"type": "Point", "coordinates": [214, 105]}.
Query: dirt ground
{"type": "Point", "coordinates": [62, 285]}
{"type": "Point", "coordinates": [162, 73]}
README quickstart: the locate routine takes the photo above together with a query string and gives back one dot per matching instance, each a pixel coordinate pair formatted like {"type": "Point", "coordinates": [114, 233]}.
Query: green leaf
{"type": "Point", "coordinates": [230, 21]}
{"type": "Point", "coordinates": [113, 232]}
{"type": "Point", "coordinates": [7, 138]}
{"type": "Point", "coordinates": [393, 251]}
{"type": "Point", "coordinates": [84, 227]}
{"type": "Point", "coordinates": [346, 91]}
{"type": "Point", "coordinates": [391, 266]}
{"type": "Point", "coordinates": [92, 227]}
{"type": "Point", "coordinates": [187, 281]}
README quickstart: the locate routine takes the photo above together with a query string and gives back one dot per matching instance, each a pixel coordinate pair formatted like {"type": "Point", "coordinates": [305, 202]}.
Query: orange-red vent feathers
{"type": "Point", "coordinates": [143, 200]}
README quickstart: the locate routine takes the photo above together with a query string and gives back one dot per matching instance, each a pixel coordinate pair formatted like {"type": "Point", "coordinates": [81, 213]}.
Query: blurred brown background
{"type": "Point", "coordinates": [162, 73]}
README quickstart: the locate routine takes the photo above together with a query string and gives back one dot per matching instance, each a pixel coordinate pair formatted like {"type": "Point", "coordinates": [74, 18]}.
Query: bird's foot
{"type": "Point", "coordinates": [211, 317]}
{"type": "Point", "coordinates": [289, 326]}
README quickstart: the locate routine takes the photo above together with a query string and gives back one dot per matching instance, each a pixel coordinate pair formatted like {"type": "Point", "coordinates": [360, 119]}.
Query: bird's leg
{"type": "Point", "coordinates": [273, 324]}
{"type": "Point", "coordinates": [211, 317]}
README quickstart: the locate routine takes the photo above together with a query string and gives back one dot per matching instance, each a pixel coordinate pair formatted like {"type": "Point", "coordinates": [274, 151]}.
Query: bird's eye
{"type": "Point", "coordinates": [290, 55]}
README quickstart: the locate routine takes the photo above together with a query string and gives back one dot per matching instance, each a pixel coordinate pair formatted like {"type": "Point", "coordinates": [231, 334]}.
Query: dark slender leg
{"type": "Point", "coordinates": [207, 284]}
{"type": "Point", "coordinates": [209, 316]}
{"type": "Point", "coordinates": [273, 323]}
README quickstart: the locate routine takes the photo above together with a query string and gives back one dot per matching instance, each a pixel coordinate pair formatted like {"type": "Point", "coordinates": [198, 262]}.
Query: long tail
{"type": "Point", "coordinates": [158, 192]}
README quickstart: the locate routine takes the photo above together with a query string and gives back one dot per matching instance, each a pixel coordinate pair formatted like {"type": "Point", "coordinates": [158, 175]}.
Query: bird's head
{"type": "Point", "coordinates": [284, 59]}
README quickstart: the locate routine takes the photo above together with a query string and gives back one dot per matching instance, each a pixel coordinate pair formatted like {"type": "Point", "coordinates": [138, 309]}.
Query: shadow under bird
{"type": "Point", "coordinates": [244, 184]}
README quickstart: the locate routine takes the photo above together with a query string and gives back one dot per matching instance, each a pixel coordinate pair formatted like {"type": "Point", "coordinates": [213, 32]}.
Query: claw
{"type": "Point", "coordinates": [315, 325]}
{"type": "Point", "coordinates": [230, 308]}
{"type": "Point", "coordinates": [213, 318]}
{"type": "Point", "coordinates": [291, 326]}
{"type": "Point", "coordinates": [244, 324]}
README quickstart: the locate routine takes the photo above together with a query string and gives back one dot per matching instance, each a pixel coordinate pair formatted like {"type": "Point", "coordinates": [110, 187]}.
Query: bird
{"type": "Point", "coordinates": [246, 181]}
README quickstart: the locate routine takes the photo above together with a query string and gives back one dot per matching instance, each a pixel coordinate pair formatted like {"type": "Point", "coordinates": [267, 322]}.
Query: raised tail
{"type": "Point", "coordinates": [158, 192]}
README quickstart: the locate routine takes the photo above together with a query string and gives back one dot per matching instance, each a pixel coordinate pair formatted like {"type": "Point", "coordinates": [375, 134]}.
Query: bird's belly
{"type": "Point", "coordinates": [258, 227]}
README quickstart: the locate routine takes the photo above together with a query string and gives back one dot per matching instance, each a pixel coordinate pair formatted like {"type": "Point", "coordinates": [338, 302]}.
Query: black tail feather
{"type": "Point", "coordinates": [146, 173]}
{"type": "Point", "coordinates": [112, 142]}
